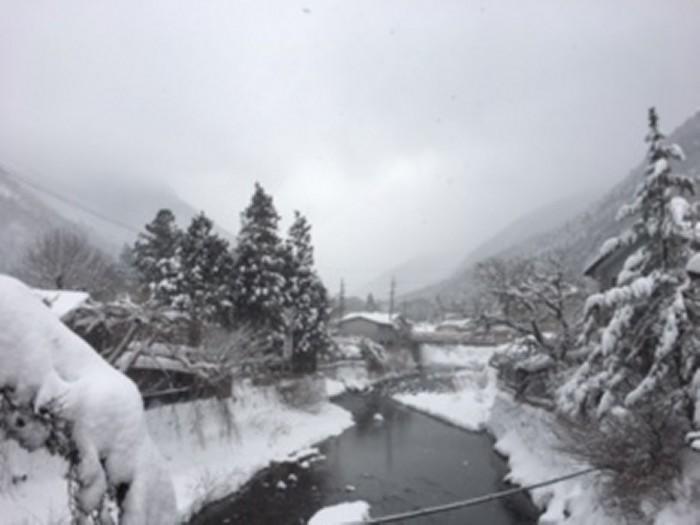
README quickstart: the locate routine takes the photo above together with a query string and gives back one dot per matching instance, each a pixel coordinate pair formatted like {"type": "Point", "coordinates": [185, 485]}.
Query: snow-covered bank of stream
{"type": "Point", "coordinates": [523, 434]}
{"type": "Point", "coordinates": [211, 449]}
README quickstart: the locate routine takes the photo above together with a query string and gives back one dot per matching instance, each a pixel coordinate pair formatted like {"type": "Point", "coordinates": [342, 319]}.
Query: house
{"type": "Point", "coordinates": [378, 326]}
{"type": "Point", "coordinates": [605, 268]}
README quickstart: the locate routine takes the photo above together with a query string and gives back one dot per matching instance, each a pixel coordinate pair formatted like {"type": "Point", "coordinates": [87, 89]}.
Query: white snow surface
{"type": "Point", "coordinates": [61, 302]}
{"type": "Point", "coordinates": [348, 375]}
{"type": "Point", "coordinates": [469, 406]}
{"type": "Point", "coordinates": [474, 357]}
{"type": "Point", "coordinates": [48, 367]}
{"type": "Point", "coordinates": [213, 448]}
{"type": "Point", "coordinates": [207, 448]}
{"type": "Point", "coordinates": [210, 448]}
{"type": "Point", "coordinates": [342, 513]}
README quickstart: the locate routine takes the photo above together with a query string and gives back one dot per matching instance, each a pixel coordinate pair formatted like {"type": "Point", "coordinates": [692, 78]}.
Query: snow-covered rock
{"type": "Point", "coordinates": [343, 513]}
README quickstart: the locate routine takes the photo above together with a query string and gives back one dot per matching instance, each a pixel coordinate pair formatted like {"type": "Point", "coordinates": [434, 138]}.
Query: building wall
{"type": "Point", "coordinates": [361, 327]}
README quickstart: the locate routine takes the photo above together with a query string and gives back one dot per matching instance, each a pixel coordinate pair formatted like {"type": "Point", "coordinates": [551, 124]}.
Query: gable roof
{"type": "Point", "coordinates": [380, 318]}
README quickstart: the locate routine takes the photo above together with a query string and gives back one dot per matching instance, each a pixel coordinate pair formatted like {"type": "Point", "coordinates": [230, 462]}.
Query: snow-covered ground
{"type": "Point", "coordinates": [350, 512]}
{"type": "Point", "coordinates": [50, 378]}
{"type": "Point", "coordinates": [349, 375]}
{"type": "Point", "coordinates": [470, 405]}
{"type": "Point", "coordinates": [210, 448]}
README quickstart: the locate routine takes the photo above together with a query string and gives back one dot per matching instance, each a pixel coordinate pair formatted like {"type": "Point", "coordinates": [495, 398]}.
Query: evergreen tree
{"type": "Point", "coordinates": [154, 250]}
{"type": "Point", "coordinates": [258, 273]}
{"type": "Point", "coordinates": [370, 304]}
{"type": "Point", "coordinates": [640, 345]}
{"type": "Point", "coordinates": [205, 266]}
{"type": "Point", "coordinates": [307, 299]}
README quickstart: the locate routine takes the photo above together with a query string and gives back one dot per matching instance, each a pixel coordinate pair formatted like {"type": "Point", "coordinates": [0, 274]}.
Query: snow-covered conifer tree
{"type": "Point", "coordinates": [258, 273]}
{"type": "Point", "coordinates": [637, 333]}
{"type": "Point", "coordinates": [307, 298]}
{"type": "Point", "coordinates": [154, 251]}
{"type": "Point", "coordinates": [205, 266]}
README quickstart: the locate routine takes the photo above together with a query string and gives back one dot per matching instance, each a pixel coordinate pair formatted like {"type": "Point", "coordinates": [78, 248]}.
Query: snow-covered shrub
{"type": "Point", "coordinates": [59, 394]}
{"type": "Point", "coordinates": [639, 454]}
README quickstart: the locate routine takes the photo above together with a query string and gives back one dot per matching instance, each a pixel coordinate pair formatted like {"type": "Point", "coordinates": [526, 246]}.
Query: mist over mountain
{"type": "Point", "coordinates": [110, 213]}
{"type": "Point", "coordinates": [23, 218]}
{"type": "Point", "coordinates": [579, 238]}
{"type": "Point", "coordinates": [411, 275]}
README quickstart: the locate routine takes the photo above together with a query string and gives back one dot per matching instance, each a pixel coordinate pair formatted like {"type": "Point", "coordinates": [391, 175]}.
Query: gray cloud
{"type": "Point", "coordinates": [398, 127]}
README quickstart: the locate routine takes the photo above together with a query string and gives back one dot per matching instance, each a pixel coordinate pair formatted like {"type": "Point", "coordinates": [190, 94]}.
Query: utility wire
{"type": "Point", "coordinates": [469, 502]}
{"type": "Point", "coordinates": [71, 202]}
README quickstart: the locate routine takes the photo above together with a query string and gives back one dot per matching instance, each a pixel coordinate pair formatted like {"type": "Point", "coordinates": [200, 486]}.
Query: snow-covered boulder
{"type": "Point", "coordinates": [352, 512]}
{"type": "Point", "coordinates": [51, 375]}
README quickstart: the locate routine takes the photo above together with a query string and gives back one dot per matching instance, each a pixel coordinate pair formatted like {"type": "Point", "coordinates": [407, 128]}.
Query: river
{"type": "Point", "coordinates": [400, 461]}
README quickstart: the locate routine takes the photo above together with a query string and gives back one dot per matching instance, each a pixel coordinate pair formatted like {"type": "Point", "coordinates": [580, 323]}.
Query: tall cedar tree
{"type": "Point", "coordinates": [258, 273]}
{"type": "Point", "coordinates": [640, 343]}
{"type": "Point", "coordinates": [154, 251]}
{"type": "Point", "coordinates": [307, 306]}
{"type": "Point", "coordinates": [202, 284]}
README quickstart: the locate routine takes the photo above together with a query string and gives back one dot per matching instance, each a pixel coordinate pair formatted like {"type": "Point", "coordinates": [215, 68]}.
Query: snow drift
{"type": "Point", "coordinates": [48, 375]}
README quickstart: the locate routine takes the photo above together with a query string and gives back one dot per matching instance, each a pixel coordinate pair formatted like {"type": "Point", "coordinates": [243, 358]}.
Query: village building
{"type": "Point", "coordinates": [605, 268]}
{"type": "Point", "coordinates": [381, 327]}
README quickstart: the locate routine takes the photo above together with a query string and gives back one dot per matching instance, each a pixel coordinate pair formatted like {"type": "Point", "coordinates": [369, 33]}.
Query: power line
{"type": "Point", "coordinates": [71, 202]}
{"type": "Point", "coordinates": [469, 502]}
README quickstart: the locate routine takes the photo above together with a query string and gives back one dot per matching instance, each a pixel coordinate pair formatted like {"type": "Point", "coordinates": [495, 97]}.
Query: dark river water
{"type": "Point", "coordinates": [407, 461]}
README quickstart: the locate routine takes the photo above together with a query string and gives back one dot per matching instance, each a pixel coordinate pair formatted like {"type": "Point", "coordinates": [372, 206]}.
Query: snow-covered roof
{"type": "Point", "coordinates": [607, 256]}
{"type": "Point", "coordinates": [373, 317]}
{"type": "Point", "coordinates": [62, 302]}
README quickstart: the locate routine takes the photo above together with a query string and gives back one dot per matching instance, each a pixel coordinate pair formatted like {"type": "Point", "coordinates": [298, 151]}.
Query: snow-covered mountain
{"type": "Point", "coordinates": [419, 274]}
{"type": "Point", "coordinates": [23, 217]}
{"type": "Point", "coordinates": [126, 205]}
{"type": "Point", "coordinates": [414, 274]}
{"type": "Point", "coordinates": [423, 276]}
{"type": "Point", "coordinates": [579, 237]}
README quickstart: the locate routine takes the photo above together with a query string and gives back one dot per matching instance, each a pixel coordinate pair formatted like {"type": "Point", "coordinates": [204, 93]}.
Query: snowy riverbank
{"type": "Point", "coordinates": [523, 434]}
{"type": "Point", "coordinates": [211, 450]}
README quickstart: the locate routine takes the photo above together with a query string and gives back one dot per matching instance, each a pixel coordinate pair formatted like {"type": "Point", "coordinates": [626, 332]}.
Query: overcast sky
{"type": "Point", "coordinates": [398, 127]}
